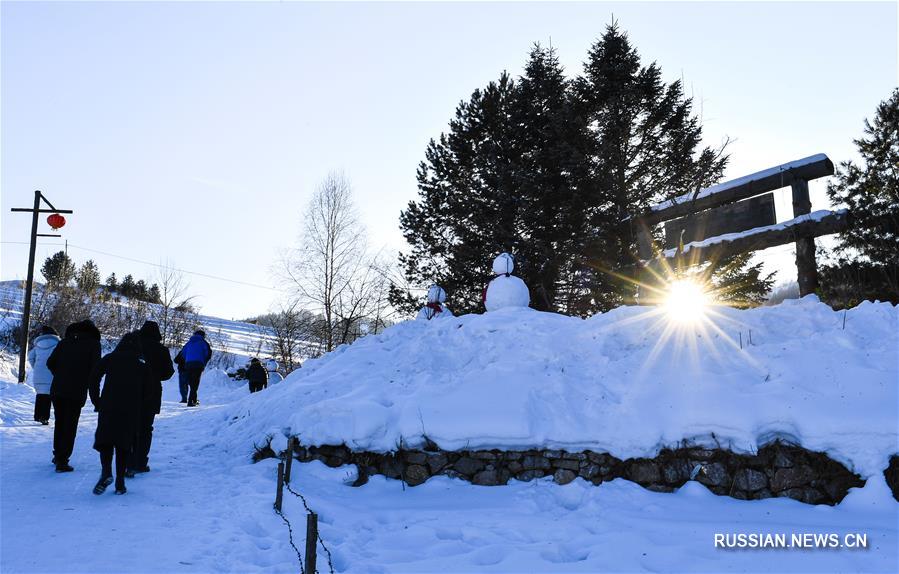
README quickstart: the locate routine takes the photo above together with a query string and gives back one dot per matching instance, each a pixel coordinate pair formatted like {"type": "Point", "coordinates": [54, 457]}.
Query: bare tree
{"type": "Point", "coordinates": [175, 312]}
{"type": "Point", "coordinates": [288, 332]}
{"type": "Point", "coordinates": [364, 307]}
{"type": "Point", "coordinates": [331, 258]}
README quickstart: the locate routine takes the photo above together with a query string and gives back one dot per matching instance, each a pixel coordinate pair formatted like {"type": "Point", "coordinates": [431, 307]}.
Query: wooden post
{"type": "Point", "coordinates": [645, 251]}
{"type": "Point", "coordinates": [644, 240]}
{"type": "Point", "coordinates": [280, 492]}
{"type": "Point", "coordinates": [289, 460]}
{"type": "Point", "coordinates": [311, 541]}
{"type": "Point", "coordinates": [806, 267]}
{"type": "Point", "coordinates": [25, 325]}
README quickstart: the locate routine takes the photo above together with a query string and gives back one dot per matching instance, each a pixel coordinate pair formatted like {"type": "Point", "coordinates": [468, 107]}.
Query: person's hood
{"type": "Point", "coordinates": [46, 341]}
{"type": "Point", "coordinates": [150, 330]}
{"type": "Point", "coordinates": [130, 344]}
{"type": "Point", "coordinates": [83, 329]}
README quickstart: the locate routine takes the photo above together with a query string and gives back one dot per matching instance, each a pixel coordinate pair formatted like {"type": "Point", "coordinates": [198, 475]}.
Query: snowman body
{"type": "Point", "coordinates": [272, 367]}
{"type": "Point", "coordinates": [435, 309]}
{"type": "Point", "coordinates": [506, 290]}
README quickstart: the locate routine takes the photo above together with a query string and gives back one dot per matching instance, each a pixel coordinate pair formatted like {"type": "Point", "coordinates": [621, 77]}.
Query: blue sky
{"type": "Point", "coordinates": [194, 133]}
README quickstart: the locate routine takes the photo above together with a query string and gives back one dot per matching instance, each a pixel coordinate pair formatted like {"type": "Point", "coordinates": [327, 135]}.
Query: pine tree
{"type": "Point", "coordinates": [153, 295]}
{"type": "Point", "coordinates": [551, 182]}
{"type": "Point", "coordinates": [551, 170]}
{"type": "Point", "coordinates": [126, 287]}
{"type": "Point", "coordinates": [645, 148]}
{"type": "Point", "coordinates": [88, 277]}
{"type": "Point", "coordinates": [468, 204]}
{"type": "Point", "coordinates": [140, 290]}
{"type": "Point", "coordinates": [112, 284]}
{"type": "Point", "coordinates": [868, 264]}
{"type": "Point", "coordinates": [58, 269]}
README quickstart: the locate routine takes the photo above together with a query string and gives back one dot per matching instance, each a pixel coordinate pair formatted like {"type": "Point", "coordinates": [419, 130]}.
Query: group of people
{"type": "Point", "coordinates": [69, 370]}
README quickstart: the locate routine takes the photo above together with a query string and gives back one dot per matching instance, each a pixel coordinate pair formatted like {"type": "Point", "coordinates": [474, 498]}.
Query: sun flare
{"type": "Point", "coordinates": [686, 301]}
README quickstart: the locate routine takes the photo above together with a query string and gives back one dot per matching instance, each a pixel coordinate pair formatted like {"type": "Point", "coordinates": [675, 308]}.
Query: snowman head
{"type": "Point", "coordinates": [436, 294]}
{"type": "Point", "coordinates": [503, 264]}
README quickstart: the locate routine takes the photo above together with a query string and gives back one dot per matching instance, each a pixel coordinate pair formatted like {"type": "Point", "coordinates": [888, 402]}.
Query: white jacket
{"type": "Point", "coordinates": [40, 351]}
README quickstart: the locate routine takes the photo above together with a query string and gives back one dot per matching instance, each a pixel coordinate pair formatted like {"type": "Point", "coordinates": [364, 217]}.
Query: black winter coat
{"type": "Point", "coordinates": [128, 379]}
{"type": "Point", "coordinates": [256, 374]}
{"type": "Point", "coordinates": [73, 360]}
{"type": "Point", "coordinates": [159, 360]}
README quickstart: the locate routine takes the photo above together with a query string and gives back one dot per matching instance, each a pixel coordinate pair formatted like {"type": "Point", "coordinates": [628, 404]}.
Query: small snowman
{"type": "Point", "coordinates": [505, 290]}
{"type": "Point", "coordinates": [435, 309]}
{"type": "Point", "coordinates": [274, 376]}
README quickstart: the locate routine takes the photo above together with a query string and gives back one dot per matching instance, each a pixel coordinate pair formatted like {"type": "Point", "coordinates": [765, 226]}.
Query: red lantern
{"type": "Point", "coordinates": [56, 221]}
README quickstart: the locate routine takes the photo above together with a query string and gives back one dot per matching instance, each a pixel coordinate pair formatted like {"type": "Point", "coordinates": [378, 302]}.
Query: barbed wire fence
{"type": "Point", "coordinates": [313, 538]}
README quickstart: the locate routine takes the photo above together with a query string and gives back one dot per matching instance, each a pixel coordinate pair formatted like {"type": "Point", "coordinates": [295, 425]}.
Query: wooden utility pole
{"type": "Point", "coordinates": [29, 282]}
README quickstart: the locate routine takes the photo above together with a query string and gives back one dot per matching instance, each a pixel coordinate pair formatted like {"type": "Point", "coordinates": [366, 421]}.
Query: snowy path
{"type": "Point", "coordinates": [196, 511]}
{"type": "Point", "coordinates": [204, 508]}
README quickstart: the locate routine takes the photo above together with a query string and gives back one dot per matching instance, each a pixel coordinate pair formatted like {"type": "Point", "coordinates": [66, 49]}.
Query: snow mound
{"type": "Point", "coordinates": [628, 382]}
{"type": "Point", "coordinates": [16, 403]}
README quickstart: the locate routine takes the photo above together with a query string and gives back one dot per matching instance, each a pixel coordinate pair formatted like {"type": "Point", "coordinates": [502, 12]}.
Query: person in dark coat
{"type": "Point", "coordinates": [128, 379]}
{"type": "Point", "coordinates": [183, 387]}
{"type": "Point", "coordinates": [257, 376]}
{"type": "Point", "coordinates": [71, 363]}
{"type": "Point", "coordinates": [159, 360]}
{"type": "Point", "coordinates": [195, 354]}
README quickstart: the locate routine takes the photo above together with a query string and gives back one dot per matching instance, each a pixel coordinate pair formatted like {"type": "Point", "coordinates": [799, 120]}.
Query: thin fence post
{"type": "Point", "coordinates": [280, 492]}
{"type": "Point", "coordinates": [289, 461]}
{"type": "Point", "coordinates": [311, 541]}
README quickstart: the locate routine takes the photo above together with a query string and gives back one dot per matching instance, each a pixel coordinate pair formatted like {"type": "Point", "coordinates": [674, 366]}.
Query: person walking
{"type": "Point", "coordinates": [71, 363]}
{"type": "Point", "coordinates": [159, 360]}
{"type": "Point", "coordinates": [183, 387]}
{"type": "Point", "coordinates": [257, 376]}
{"type": "Point", "coordinates": [41, 377]}
{"type": "Point", "coordinates": [195, 354]}
{"type": "Point", "coordinates": [128, 379]}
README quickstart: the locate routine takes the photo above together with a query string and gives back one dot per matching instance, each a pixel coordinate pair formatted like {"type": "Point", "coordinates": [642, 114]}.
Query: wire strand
{"type": "Point", "coordinates": [197, 273]}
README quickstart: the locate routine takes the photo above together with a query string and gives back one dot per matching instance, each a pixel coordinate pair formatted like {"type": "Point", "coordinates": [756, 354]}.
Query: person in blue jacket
{"type": "Point", "coordinates": [192, 359]}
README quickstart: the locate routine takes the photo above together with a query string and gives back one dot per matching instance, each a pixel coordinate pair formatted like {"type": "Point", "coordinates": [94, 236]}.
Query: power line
{"type": "Point", "coordinates": [197, 273]}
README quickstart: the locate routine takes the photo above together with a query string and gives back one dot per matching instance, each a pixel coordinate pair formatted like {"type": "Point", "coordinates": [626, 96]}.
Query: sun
{"type": "Point", "coordinates": [686, 301]}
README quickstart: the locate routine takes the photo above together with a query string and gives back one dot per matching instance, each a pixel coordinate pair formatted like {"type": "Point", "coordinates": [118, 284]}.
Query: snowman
{"type": "Point", "coordinates": [505, 290]}
{"type": "Point", "coordinates": [435, 309]}
{"type": "Point", "coordinates": [274, 376]}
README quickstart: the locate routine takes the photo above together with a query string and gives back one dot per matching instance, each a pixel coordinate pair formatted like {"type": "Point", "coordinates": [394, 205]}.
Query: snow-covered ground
{"type": "Point", "coordinates": [205, 507]}
{"type": "Point", "coordinates": [629, 382]}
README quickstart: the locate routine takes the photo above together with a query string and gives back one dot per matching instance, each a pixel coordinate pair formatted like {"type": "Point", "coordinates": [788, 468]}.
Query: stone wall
{"type": "Point", "coordinates": [776, 470]}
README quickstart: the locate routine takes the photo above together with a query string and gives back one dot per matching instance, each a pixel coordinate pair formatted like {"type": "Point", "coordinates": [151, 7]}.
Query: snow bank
{"type": "Point", "coordinates": [627, 382]}
{"type": "Point", "coordinates": [16, 402]}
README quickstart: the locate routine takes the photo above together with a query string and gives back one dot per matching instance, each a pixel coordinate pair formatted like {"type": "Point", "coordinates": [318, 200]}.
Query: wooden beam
{"type": "Point", "coordinates": [805, 226]}
{"type": "Point", "coordinates": [754, 184]}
